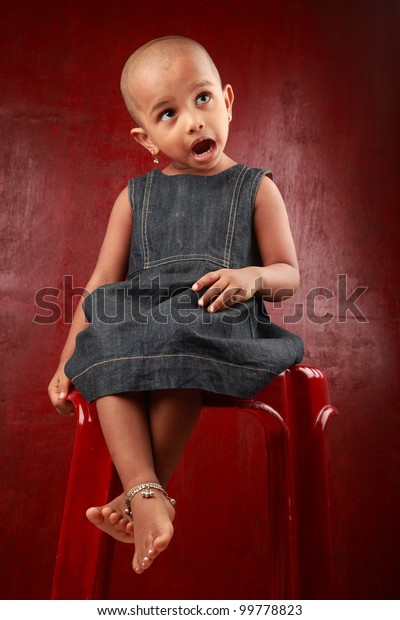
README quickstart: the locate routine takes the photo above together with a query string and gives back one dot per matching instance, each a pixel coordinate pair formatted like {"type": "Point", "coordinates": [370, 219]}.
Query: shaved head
{"type": "Point", "coordinates": [156, 54]}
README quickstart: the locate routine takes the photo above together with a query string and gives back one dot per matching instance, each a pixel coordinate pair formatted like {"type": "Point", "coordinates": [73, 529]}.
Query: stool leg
{"type": "Point", "coordinates": [282, 574]}
{"type": "Point", "coordinates": [84, 552]}
{"type": "Point", "coordinates": [308, 412]}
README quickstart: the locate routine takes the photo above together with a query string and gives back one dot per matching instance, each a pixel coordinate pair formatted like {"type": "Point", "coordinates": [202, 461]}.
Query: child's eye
{"type": "Point", "coordinates": [203, 98]}
{"type": "Point", "coordinates": [167, 115]}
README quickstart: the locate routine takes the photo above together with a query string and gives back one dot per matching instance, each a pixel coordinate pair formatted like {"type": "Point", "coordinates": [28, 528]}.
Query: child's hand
{"type": "Point", "coordinates": [226, 287]}
{"type": "Point", "coordinates": [58, 390]}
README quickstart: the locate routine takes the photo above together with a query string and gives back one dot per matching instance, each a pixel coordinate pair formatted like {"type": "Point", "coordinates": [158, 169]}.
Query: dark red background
{"type": "Point", "coordinates": [317, 88]}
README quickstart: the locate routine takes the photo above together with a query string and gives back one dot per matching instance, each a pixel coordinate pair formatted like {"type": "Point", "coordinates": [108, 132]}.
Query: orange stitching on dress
{"type": "Point", "coordinates": [178, 257]}
{"type": "Point", "coordinates": [136, 357]}
{"type": "Point", "coordinates": [146, 201]}
{"type": "Point", "coordinates": [232, 214]}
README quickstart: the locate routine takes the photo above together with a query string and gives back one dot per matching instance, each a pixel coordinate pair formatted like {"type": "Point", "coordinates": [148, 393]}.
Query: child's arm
{"type": "Point", "coordinates": [111, 267]}
{"type": "Point", "coordinates": [278, 278]}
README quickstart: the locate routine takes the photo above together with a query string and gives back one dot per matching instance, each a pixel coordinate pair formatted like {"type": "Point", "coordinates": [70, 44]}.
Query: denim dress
{"type": "Point", "coordinates": [148, 332]}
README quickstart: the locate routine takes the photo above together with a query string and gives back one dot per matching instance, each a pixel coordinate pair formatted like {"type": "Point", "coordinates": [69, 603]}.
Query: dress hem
{"type": "Point", "coordinates": [147, 374]}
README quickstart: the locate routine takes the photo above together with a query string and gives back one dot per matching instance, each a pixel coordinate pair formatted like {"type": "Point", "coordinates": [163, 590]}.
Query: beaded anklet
{"type": "Point", "coordinates": [147, 493]}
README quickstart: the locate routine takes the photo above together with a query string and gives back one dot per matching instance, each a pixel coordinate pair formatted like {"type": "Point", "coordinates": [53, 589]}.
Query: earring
{"type": "Point", "coordinates": [155, 160]}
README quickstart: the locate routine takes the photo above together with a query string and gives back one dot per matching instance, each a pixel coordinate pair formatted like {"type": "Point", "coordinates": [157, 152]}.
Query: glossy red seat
{"type": "Point", "coordinates": [283, 494]}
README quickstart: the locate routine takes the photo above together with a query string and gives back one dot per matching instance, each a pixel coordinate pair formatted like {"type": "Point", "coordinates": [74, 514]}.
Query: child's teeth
{"type": "Point", "coordinates": [206, 151]}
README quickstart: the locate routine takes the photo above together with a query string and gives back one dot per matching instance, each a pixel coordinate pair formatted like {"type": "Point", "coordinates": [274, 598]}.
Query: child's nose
{"type": "Point", "coordinates": [194, 123]}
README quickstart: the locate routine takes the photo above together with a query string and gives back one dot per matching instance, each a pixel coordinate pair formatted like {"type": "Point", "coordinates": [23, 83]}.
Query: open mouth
{"type": "Point", "coordinates": [203, 147]}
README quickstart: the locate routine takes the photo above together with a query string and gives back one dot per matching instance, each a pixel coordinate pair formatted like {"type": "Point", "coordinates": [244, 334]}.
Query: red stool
{"type": "Point", "coordinates": [292, 413]}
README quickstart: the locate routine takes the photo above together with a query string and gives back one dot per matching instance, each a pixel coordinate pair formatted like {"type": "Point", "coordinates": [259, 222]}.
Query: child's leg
{"type": "Point", "coordinates": [172, 415]}
{"type": "Point", "coordinates": [111, 518]}
{"type": "Point", "coordinates": [135, 431]}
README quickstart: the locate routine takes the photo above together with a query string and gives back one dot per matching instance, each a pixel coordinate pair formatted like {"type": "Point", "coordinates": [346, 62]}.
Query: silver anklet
{"type": "Point", "coordinates": [147, 493]}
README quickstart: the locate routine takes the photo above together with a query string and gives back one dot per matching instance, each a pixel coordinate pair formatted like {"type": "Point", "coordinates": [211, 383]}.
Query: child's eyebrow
{"type": "Point", "coordinates": [160, 104]}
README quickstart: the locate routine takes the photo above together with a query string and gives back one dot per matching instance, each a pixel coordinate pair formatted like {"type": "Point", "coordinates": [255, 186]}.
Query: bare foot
{"type": "Point", "coordinates": [153, 528]}
{"type": "Point", "coordinates": [112, 519]}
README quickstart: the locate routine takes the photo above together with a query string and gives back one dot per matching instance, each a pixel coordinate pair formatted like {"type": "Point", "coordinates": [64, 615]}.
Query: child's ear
{"type": "Point", "coordinates": [228, 97]}
{"type": "Point", "coordinates": [144, 139]}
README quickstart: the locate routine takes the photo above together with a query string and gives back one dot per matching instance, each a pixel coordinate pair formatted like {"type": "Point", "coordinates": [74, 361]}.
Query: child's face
{"type": "Point", "coordinates": [185, 113]}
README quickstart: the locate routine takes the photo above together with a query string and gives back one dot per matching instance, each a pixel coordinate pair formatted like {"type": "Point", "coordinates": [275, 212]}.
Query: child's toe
{"type": "Point", "coordinates": [129, 527]}
{"type": "Point", "coordinates": [95, 515]}
{"type": "Point", "coordinates": [162, 540]}
{"type": "Point", "coordinates": [146, 562]}
{"type": "Point", "coordinates": [114, 518]}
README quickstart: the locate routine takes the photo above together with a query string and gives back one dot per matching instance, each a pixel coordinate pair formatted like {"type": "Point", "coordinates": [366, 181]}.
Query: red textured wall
{"type": "Point", "coordinates": [316, 87]}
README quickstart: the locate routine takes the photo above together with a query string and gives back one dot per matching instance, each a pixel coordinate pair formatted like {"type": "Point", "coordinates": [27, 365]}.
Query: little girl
{"type": "Point", "coordinates": [202, 242]}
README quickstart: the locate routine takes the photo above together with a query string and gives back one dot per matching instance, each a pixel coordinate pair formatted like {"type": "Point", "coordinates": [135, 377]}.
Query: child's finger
{"type": "Point", "coordinates": [58, 391]}
{"type": "Point", "coordinates": [209, 278]}
{"type": "Point", "coordinates": [53, 392]}
{"type": "Point", "coordinates": [63, 389]}
{"type": "Point", "coordinates": [59, 385]}
{"type": "Point", "coordinates": [65, 407]}
{"type": "Point", "coordinates": [226, 299]}
{"type": "Point", "coordinates": [210, 294]}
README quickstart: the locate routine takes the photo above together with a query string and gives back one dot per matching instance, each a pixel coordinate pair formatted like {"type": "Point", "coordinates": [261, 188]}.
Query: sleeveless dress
{"type": "Point", "coordinates": [148, 332]}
